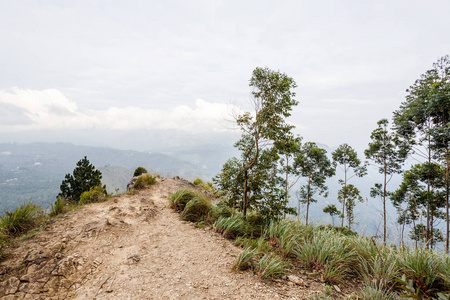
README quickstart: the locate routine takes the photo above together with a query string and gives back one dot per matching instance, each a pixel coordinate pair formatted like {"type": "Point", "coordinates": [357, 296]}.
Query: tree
{"type": "Point", "coordinates": [351, 194]}
{"type": "Point", "coordinates": [387, 151]}
{"type": "Point", "coordinates": [139, 171]}
{"type": "Point", "coordinates": [273, 99]}
{"type": "Point", "coordinates": [83, 178]}
{"type": "Point", "coordinates": [423, 187]}
{"type": "Point", "coordinates": [313, 163]}
{"type": "Point", "coordinates": [347, 159]}
{"type": "Point", "coordinates": [423, 118]}
{"type": "Point", "coordinates": [332, 211]}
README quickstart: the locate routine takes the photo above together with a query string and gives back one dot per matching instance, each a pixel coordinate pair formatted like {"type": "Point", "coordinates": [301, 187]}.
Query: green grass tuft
{"type": "Point", "coordinates": [21, 220]}
{"type": "Point", "coordinates": [59, 207]}
{"type": "Point", "coordinates": [197, 209]}
{"type": "Point", "coordinates": [246, 260]}
{"type": "Point", "coordinates": [231, 227]}
{"type": "Point", "coordinates": [144, 180]}
{"type": "Point", "coordinates": [271, 266]}
{"type": "Point", "coordinates": [179, 198]}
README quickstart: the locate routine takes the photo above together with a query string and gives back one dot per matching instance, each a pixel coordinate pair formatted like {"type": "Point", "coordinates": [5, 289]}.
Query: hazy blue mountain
{"type": "Point", "coordinates": [35, 171]}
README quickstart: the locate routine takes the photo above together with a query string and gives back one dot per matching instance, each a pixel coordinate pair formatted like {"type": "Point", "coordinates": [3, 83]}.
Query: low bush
{"type": "Point", "coordinates": [95, 194]}
{"type": "Point", "coordinates": [139, 171]}
{"type": "Point", "coordinates": [144, 180]}
{"type": "Point", "coordinates": [21, 220]}
{"type": "Point", "coordinates": [179, 198]}
{"type": "Point", "coordinates": [197, 209]}
{"type": "Point", "coordinates": [375, 292]}
{"type": "Point", "coordinates": [59, 207]}
{"type": "Point", "coordinates": [207, 186]}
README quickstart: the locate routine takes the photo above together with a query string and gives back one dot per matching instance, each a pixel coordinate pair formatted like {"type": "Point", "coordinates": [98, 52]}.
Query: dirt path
{"type": "Point", "coordinates": [132, 247]}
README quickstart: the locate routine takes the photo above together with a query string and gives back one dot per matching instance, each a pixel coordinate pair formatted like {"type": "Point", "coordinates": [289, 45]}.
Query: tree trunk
{"type": "Point", "coordinates": [244, 208]}
{"type": "Point", "coordinates": [307, 197]}
{"type": "Point", "coordinates": [384, 203]}
{"type": "Point", "coordinates": [345, 194]}
{"type": "Point", "coordinates": [446, 197]}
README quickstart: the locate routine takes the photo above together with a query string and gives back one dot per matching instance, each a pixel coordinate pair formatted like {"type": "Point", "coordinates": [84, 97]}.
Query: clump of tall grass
{"type": "Point", "coordinates": [380, 270]}
{"type": "Point", "coordinates": [375, 292]}
{"type": "Point", "coordinates": [144, 180]}
{"type": "Point", "coordinates": [179, 198]}
{"type": "Point", "coordinates": [197, 209]}
{"type": "Point", "coordinates": [284, 235]}
{"type": "Point", "coordinates": [95, 194]}
{"type": "Point", "coordinates": [421, 267]}
{"type": "Point", "coordinates": [59, 207]}
{"type": "Point", "coordinates": [329, 253]}
{"type": "Point", "coordinates": [260, 244]}
{"type": "Point", "coordinates": [270, 266]}
{"type": "Point", "coordinates": [21, 220]}
{"type": "Point", "coordinates": [246, 260]}
{"type": "Point", "coordinates": [231, 227]}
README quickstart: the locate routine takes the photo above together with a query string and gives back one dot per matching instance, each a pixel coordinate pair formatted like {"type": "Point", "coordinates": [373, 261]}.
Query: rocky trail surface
{"type": "Point", "coordinates": [133, 247]}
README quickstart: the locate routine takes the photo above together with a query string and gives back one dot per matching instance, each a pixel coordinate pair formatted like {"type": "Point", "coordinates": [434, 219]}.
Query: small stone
{"type": "Point", "coordinates": [295, 279]}
{"type": "Point", "coordinates": [337, 288]}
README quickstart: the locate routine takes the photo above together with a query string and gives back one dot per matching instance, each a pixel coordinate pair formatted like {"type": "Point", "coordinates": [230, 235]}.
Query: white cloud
{"type": "Point", "coordinates": [50, 109]}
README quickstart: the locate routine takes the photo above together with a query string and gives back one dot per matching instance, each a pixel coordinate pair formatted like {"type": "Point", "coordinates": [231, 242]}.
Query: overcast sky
{"type": "Point", "coordinates": [95, 72]}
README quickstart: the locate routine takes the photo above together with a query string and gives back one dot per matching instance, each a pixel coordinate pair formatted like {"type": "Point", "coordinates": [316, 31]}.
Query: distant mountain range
{"type": "Point", "coordinates": [35, 171]}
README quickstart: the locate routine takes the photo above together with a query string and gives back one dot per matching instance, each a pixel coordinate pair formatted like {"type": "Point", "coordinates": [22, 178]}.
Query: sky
{"type": "Point", "coordinates": [154, 75]}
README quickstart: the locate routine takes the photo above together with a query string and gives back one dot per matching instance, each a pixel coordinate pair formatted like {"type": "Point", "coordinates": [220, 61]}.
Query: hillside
{"type": "Point", "coordinates": [35, 171]}
{"type": "Point", "coordinates": [134, 247]}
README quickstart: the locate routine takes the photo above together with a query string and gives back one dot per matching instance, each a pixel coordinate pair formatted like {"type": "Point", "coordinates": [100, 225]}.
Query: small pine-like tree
{"type": "Point", "coordinates": [83, 178]}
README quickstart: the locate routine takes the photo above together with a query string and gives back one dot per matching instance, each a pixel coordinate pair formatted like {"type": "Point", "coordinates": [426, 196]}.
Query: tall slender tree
{"type": "Point", "coordinates": [388, 152]}
{"type": "Point", "coordinates": [313, 163]}
{"type": "Point", "coordinates": [423, 118]}
{"type": "Point", "coordinates": [346, 158]}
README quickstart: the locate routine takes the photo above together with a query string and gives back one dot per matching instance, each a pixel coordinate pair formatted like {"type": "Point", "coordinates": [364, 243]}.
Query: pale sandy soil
{"type": "Point", "coordinates": [134, 247]}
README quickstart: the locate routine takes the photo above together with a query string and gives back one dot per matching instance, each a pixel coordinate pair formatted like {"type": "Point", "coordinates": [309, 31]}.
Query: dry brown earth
{"type": "Point", "coordinates": [134, 247]}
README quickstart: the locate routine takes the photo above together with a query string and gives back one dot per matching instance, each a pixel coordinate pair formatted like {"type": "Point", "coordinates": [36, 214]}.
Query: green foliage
{"type": "Point", "coordinates": [59, 207]}
{"type": "Point", "coordinates": [246, 260]}
{"type": "Point", "coordinates": [24, 218]}
{"type": "Point", "coordinates": [348, 195]}
{"type": "Point", "coordinates": [421, 267]}
{"type": "Point", "coordinates": [284, 236]}
{"type": "Point", "coordinates": [328, 252]}
{"type": "Point", "coordinates": [139, 171]}
{"type": "Point", "coordinates": [313, 163]}
{"type": "Point", "coordinates": [197, 209]}
{"type": "Point", "coordinates": [231, 227]}
{"type": "Point", "coordinates": [271, 266]}
{"type": "Point", "coordinates": [371, 292]}
{"type": "Point", "coordinates": [144, 180]}
{"type": "Point", "coordinates": [95, 194]}
{"type": "Point", "coordinates": [207, 186]}
{"type": "Point", "coordinates": [179, 198]}
{"type": "Point", "coordinates": [83, 178]}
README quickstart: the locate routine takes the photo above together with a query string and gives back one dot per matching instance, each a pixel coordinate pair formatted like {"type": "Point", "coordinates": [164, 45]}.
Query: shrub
{"type": "Point", "coordinates": [144, 180]}
{"type": "Point", "coordinates": [380, 270]}
{"type": "Point", "coordinates": [179, 198]}
{"type": "Point", "coordinates": [197, 208]}
{"type": "Point", "coordinates": [21, 220]}
{"type": "Point", "coordinates": [95, 194]}
{"type": "Point", "coordinates": [207, 186]}
{"type": "Point", "coordinates": [283, 235]}
{"type": "Point", "coordinates": [59, 207]}
{"type": "Point", "coordinates": [270, 266]}
{"type": "Point", "coordinates": [139, 171]}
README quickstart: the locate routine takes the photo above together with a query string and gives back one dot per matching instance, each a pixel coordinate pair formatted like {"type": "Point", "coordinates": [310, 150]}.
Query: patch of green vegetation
{"type": "Point", "coordinates": [139, 171]}
{"type": "Point", "coordinates": [95, 194]}
{"type": "Point", "coordinates": [144, 181]}
{"type": "Point", "coordinates": [22, 219]}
